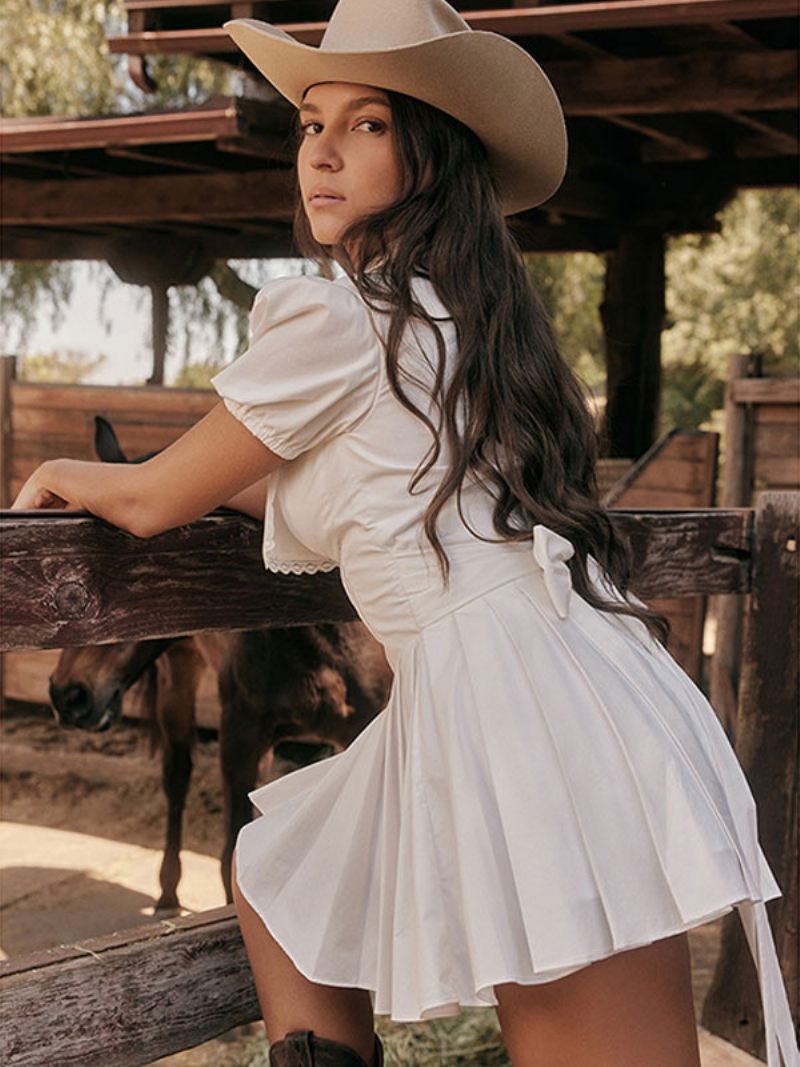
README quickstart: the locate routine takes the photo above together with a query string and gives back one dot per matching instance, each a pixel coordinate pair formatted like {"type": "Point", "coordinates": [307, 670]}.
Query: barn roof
{"type": "Point", "coordinates": [671, 106]}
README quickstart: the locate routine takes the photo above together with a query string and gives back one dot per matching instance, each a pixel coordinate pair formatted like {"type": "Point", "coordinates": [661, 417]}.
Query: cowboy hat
{"type": "Point", "coordinates": [425, 49]}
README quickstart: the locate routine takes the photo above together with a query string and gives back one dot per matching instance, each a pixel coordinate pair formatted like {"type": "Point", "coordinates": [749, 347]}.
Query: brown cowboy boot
{"type": "Point", "coordinates": [301, 1048]}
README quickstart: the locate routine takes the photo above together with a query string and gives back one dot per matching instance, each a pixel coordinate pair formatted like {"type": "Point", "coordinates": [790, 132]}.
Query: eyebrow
{"type": "Point", "coordinates": [359, 102]}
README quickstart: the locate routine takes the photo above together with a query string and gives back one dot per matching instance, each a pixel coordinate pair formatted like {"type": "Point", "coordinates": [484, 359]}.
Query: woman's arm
{"type": "Point", "coordinates": [208, 466]}
{"type": "Point", "coordinates": [251, 501]}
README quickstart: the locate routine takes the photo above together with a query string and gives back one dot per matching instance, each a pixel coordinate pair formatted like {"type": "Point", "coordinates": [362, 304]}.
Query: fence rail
{"type": "Point", "coordinates": [74, 580]}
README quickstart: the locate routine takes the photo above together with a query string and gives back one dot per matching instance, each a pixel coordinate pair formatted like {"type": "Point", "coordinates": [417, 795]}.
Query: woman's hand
{"type": "Point", "coordinates": [36, 494]}
{"type": "Point", "coordinates": [214, 462]}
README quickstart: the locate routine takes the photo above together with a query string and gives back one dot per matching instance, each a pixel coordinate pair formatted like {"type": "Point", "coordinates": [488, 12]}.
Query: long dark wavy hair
{"type": "Point", "coordinates": [528, 436]}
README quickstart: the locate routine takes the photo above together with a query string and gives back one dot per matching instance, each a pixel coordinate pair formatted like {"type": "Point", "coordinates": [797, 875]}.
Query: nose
{"type": "Point", "coordinates": [72, 702]}
{"type": "Point", "coordinates": [323, 154]}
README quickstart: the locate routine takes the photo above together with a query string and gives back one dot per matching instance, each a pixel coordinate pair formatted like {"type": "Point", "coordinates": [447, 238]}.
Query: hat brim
{"type": "Point", "coordinates": [480, 78]}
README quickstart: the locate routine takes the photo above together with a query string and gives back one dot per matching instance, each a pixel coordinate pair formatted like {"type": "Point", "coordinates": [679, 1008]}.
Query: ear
{"type": "Point", "coordinates": [106, 445]}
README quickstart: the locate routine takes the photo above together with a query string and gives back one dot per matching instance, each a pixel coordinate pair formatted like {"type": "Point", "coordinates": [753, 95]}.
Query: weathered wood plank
{"type": "Point", "coordinates": [75, 580]}
{"type": "Point", "coordinates": [71, 579]}
{"type": "Point", "coordinates": [7, 372]}
{"type": "Point", "coordinates": [777, 470]}
{"type": "Point", "coordinates": [148, 401]}
{"type": "Point", "coordinates": [778, 438]}
{"type": "Point", "coordinates": [127, 999]}
{"type": "Point", "coordinates": [766, 391]}
{"type": "Point", "coordinates": [767, 736]}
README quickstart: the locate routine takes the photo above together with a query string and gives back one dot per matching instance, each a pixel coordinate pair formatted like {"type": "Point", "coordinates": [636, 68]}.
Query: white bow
{"type": "Point", "coordinates": [551, 551]}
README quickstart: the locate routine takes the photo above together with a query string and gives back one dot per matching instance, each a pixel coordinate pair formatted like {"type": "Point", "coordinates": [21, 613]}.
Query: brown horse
{"type": "Point", "coordinates": [319, 685]}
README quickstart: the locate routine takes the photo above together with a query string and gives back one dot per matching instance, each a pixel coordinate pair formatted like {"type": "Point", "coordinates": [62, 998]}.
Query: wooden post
{"type": "Point", "coordinates": [8, 372]}
{"type": "Point", "coordinates": [160, 330]}
{"type": "Point", "coordinates": [633, 317]}
{"type": "Point", "coordinates": [767, 745]}
{"type": "Point", "coordinates": [735, 493]}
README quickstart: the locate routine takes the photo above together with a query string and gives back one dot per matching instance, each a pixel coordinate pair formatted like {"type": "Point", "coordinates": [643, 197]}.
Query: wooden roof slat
{"type": "Point", "coordinates": [19, 135]}
{"type": "Point", "coordinates": [73, 169]}
{"type": "Point", "coordinates": [680, 145]}
{"type": "Point", "coordinates": [691, 82]}
{"type": "Point", "coordinates": [511, 22]}
{"type": "Point", "coordinates": [723, 82]}
{"type": "Point", "coordinates": [783, 141]}
{"type": "Point", "coordinates": [162, 159]}
{"type": "Point", "coordinates": [130, 201]}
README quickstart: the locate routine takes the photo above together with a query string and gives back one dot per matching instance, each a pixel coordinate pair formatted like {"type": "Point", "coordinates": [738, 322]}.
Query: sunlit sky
{"type": "Point", "coordinates": [127, 346]}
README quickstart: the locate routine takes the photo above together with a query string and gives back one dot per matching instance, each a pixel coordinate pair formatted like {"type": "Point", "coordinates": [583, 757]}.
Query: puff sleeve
{"type": "Point", "coordinates": [311, 369]}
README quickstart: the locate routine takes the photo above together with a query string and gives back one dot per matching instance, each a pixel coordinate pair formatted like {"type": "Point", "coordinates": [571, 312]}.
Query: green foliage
{"type": "Point", "coordinates": [69, 367]}
{"type": "Point", "coordinates": [736, 291]}
{"type": "Point", "coordinates": [24, 288]}
{"type": "Point", "coordinates": [571, 288]}
{"type": "Point", "coordinates": [55, 61]}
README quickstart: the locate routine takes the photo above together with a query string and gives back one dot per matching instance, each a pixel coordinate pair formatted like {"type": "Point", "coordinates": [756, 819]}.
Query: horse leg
{"type": "Point", "coordinates": [179, 673]}
{"type": "Point", "coordinates": [240, 749]}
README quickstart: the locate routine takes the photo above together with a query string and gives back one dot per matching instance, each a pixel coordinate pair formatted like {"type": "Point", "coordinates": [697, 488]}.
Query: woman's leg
{"type": "Point", "coordinates": [289, 1001]}
{"type": "Point", "coordinates": [633, 1009]}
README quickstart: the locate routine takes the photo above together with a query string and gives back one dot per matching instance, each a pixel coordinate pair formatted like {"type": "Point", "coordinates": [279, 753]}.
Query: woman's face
{"type": "Point", "coordinates": [347, 149]}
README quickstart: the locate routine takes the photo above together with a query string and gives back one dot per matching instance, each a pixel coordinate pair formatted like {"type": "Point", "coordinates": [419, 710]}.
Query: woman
{"type": "Point", "coordinates": [547, 803]}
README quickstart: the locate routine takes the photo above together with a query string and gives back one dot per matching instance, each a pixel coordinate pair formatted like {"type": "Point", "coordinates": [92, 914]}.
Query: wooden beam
{"type": "Point", "coordinates": [75, 580]}
{"type": "Point", "coordinates": [514, 22]}
{"type": "Point", "coordinates": [22, 135]}
{"type": "Point", "coordinates": [782, 141]}
{"type": "Point", "coordinates": [160, 159]}
{"type": "Point", "coordinates": [133, 201]}
{"type": "Point", "coordinates": [725, 81]}
{"type": "Point", "coordinates": [48, 245]}
{"type": "Point", "coordinates": [766, 391]}
{"type": "Point", "coordinates": [678, 146]}
{"type": "Point", "coordinates": [668, 196]}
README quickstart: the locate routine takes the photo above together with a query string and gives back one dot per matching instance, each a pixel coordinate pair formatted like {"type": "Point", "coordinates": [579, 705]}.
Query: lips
{"type": "Point", "coordinates": [324, 196]}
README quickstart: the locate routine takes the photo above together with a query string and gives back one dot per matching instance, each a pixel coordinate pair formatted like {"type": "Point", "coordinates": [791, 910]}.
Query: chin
{"type": "Point", "coordinates": [326, 235]}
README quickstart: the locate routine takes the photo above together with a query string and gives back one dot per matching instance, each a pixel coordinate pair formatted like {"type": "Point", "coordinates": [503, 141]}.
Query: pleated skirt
{"type": "Point", "coordinates": [538, 794]}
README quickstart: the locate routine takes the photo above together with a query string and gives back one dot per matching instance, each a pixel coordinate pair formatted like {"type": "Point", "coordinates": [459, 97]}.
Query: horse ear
{"type": "Point", "coordinates": [106, 445]}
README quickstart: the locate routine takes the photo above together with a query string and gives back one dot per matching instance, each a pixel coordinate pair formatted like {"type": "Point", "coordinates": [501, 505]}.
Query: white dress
{"type": "Point", "coordinates": [545, 786]}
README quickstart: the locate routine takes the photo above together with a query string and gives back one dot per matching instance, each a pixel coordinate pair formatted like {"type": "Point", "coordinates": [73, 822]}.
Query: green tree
{"type": "Point", "coordinates": [571, 288]}
{"type": "Point", "coordinates": [735, 291]}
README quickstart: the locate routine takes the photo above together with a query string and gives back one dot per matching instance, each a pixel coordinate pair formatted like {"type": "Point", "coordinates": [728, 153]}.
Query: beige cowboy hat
{"type": "Point", "coordinates": [425, 49]}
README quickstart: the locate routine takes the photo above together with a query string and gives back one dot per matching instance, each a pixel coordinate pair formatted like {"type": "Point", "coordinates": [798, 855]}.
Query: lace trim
{"type": "Point", "coordinates": [300, 566]}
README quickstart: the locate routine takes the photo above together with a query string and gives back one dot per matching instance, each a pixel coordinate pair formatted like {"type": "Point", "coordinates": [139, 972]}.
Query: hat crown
{"type": "Point", "coordinates": [362, 25]}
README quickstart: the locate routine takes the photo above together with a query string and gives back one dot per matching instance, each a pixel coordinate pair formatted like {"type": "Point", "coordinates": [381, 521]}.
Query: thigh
{"type": "Point", "coordinates": [289, 1000]}
{"type": "Point", "coordinates": [631, 1009]}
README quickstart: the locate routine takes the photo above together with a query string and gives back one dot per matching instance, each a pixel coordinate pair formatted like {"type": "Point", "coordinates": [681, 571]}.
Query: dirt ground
{"type": "Point", "coordinates": [81, 835]}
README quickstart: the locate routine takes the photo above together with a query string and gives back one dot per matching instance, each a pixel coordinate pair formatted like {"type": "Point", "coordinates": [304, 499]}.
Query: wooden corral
{"type": "Point", "coordinates": [70, 579]}
{"type": "Point", "coordinates": [762, 454]}
{"type": "Point", "coordinates": [679, 471]}
{"type": "Point", "coordinates": [42, 421]}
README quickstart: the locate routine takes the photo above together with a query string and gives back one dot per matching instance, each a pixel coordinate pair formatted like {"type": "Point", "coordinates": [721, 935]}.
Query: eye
{"type": "Point", "coordinates": [305, 125]}
{"type": "Point", "coordinates": [372, 122]}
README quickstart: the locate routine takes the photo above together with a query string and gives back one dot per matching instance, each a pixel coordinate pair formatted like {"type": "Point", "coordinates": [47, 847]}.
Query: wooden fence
{"type": "Point", "coordinates": [130, 998]}
{"type": "Point", "coordinates": [762, 455]}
